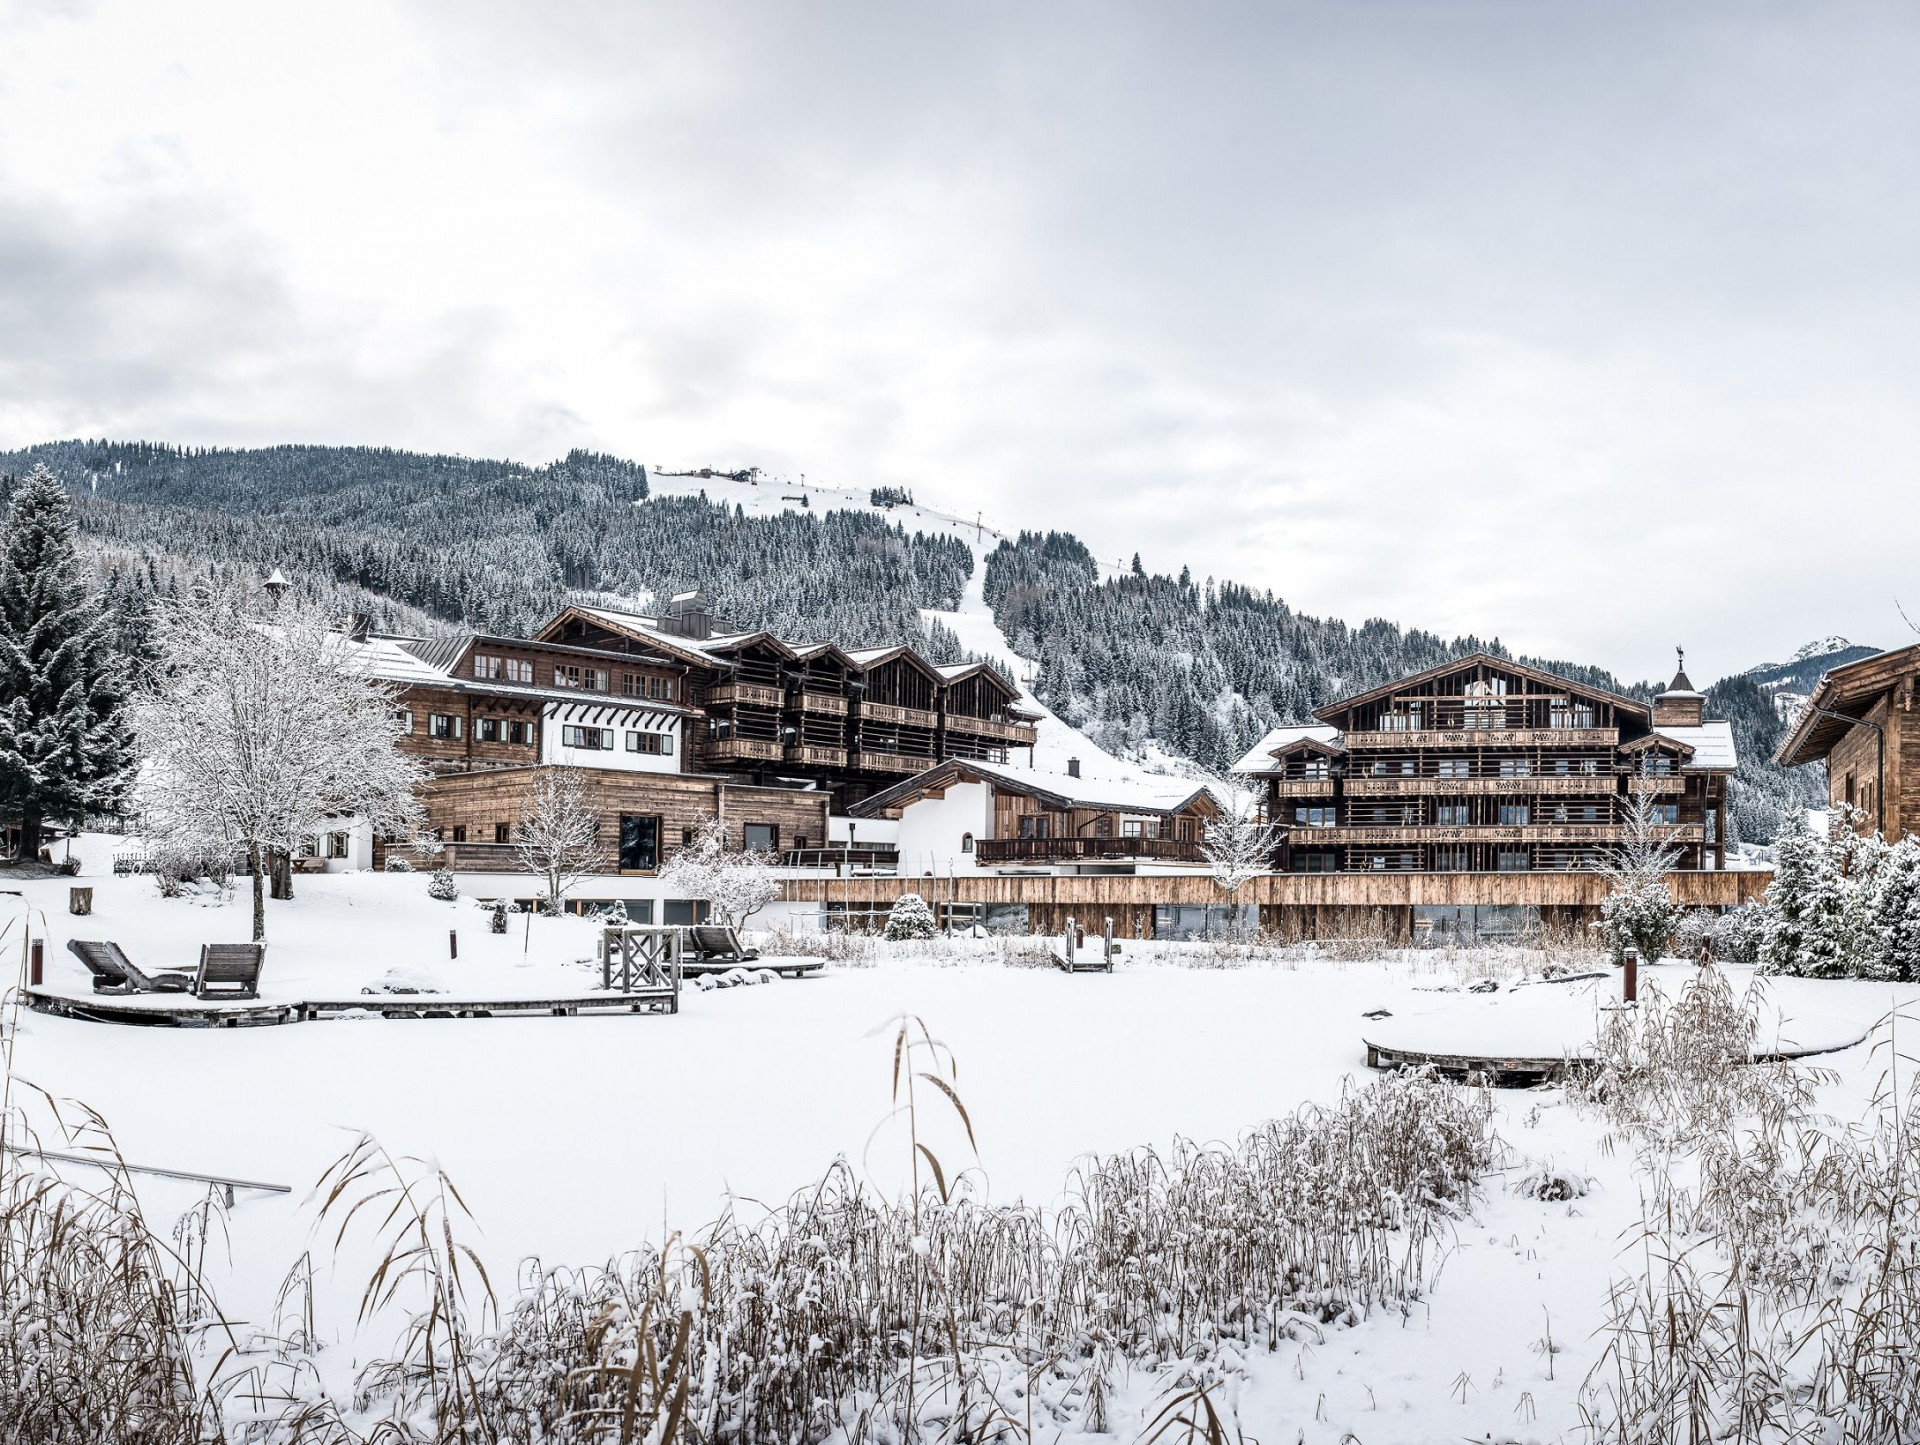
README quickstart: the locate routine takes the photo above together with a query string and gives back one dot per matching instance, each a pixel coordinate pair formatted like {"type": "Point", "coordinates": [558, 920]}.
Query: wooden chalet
{"type": "Point", "coordinates": [996, 816]}
{"type": "Point", "coordinates": [1483, 765]}
{"type": "Point", "coordinates": [1860, 721]}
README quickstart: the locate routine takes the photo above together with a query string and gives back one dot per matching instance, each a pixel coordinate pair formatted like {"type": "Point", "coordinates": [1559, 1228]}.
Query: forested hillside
{"type": "Point", "coordinates": [1140, 662]}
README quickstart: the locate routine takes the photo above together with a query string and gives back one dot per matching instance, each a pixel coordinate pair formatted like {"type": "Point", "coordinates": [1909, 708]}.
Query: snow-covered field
{"type": "Point", "coordinates": [576, 1138]}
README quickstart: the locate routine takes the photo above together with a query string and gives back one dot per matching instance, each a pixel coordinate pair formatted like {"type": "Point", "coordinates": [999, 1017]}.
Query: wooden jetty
{"type": "Point", "coordinates": [183, 1011]}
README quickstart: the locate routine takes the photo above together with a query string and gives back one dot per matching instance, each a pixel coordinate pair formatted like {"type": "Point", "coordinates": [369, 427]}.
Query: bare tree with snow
{"type": "Point", "coordinates": [736, 883]}
{"type": "Point", "coordinates": [259, 725]}
{"type": "Point", "coordinates": [559, 833]}
{"type": "Point", "coordinates": [1238, 843]}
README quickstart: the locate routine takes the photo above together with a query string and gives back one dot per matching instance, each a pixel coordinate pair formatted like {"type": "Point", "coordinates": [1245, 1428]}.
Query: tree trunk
{"type": "Point", "coordinates": [32, 825]}
{"type": "Point", "coordinates": [280, 865]}
{"type": "Point", "coordinates": [256, 866]}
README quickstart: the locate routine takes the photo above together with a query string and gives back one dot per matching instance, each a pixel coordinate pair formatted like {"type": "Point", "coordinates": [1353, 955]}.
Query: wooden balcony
{"type": "Point", "coordinates": [912, 717]}
{"type": "Point", "coordinates": [1303, 787]}
{"type": "Point", "coordinates": [1577, 784]}
{"type": "Point", "coordinates": [828, 704]}
{"type": "Point", "coordinates": [1656, 786]}
{"type": "Point", "coordinates": [1486, 738]}
{"type": "Point", "coordinates": [1019, 734]}
{"type": "Point", "coordinates": [1545, 833]}
{"type": "Point", "coordinates": [720, 750]}
{"type": "Point", "coordinates": [879, 762]}
{"type": "Point", "coordinates": [1085, 850]}
{"type": "Point", "coordinates": [483, 858]}
{"type": "Point", "coordinates": [752, 694]}
{"type": "Point", "coordinates": [817, 757]}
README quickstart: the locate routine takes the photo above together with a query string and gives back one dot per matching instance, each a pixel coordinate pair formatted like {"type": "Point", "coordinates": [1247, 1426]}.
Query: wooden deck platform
{"type": "Point", "coordinates": [785, 967]}
{"type": "Point", "coordinates": [182, 1011]}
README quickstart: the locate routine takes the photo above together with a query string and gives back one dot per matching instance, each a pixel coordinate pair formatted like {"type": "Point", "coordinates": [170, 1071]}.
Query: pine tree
{"type": "Point", "coordinates": [1893, 949]}
{"type": "Point", "coordinates": [1803, 901]}
{"type": "Point", "coordinates": [64, 746]}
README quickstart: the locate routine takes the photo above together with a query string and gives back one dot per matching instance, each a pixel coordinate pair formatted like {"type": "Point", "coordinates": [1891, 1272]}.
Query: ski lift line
{"type": "Point", "coordinates": [111, 1164]}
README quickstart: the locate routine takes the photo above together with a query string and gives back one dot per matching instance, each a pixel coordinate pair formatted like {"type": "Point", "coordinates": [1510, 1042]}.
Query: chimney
{"type": "Point", "coordinates": [1073, 767]}
{"type": "Point", "coordinates": [358, 626]}
{"type": "Point", "coordinates": [690, 615]}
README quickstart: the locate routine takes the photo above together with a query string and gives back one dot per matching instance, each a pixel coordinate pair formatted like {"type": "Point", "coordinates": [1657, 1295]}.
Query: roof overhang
{"type": "Point", "coordinates": [1850, 690]}
{"type": "Point", "coordinates": [1333, 710]}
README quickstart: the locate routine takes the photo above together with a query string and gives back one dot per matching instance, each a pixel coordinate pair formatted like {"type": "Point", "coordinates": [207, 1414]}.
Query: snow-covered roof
{"type": "Point", "coordinates": [1163, 795]}
{"type": "Point", "coordinates": [1712, 744]}
{"type": "Point", "coordinates": [1260, 759]}
{"type": "Point", "coordinates": [640, 622]}
{"type": "Point", "coordinates": [388, 658]}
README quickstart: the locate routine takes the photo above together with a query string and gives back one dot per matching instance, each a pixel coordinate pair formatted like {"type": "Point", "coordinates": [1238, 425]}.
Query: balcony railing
{"type": "Point", "coordinates": [1657, 785]}
{"type": "Point", "coordinates": [1303, 787]}
{"type": "Point", "coordinates": [1485, 738]}
{"type": "Point", "coordinates": [748, 749]}
{"type": "Point", "coordinates": [1303, 837]}
{"type": "Point", "coordinates": [882, 762]}
{"type": "Point", "coordinates": [752, 694]}
{"type": "Point", "coordinates": [844, 860]}
{"type": "Point", "coordinates": [886, 712]}
{"type": "Point", "coordinates": [1075, 850]}
{"type": "Point", "coordinates": [817, 757]}
{"type": "Point", "coordinates": [483, 858]}
{"type": "Point", "coordinates": [1530, 785]}
{"type": "Point", "coordinates": [1017, 733]}
{"type": "Point", "coordinates": [831, 704]}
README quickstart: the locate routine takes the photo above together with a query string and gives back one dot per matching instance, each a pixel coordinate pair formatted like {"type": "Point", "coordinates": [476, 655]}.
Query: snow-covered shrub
{"type": "Point", "coordinates": [397, 864]}
{"type": "Point", "coordinates": [1739, 933]}
{"type": "Point", "coordinates": [909, 919]}
{"type": "Point", "coordinates": [442, 887]}
{"type": "Point", "coordinates": [498, 922]}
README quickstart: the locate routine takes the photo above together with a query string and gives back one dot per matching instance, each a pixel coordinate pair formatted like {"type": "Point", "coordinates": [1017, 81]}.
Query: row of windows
{"type": "Point", "coordinates": [503, 669]}
{"type": "Point", "coordinates": [639, 839]}
{"type": "Point", "coordinates": [578, 676]}
{"type": "Point", "coordinates": [603, 740]}
{"type": "Point", "coordinates": [1460, 815]}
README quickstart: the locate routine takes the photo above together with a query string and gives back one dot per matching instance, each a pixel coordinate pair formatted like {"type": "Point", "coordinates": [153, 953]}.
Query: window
{"type": "Point", "coordinates": [520, 669]}
{"type": "Point", "coordinates": [1450, 860]}
{"type": "Point", "coordinates": [459, 833]}
{"type": "Point", "coordinates": [1516, 767]}
{"type": "Point", "coordinates": [485, 667]}
{"type": "Point", "coordinates": [405, 717]}
{"type": "Point", "coordinates": [486, 729]}
{"type": "Point", "coordinates": [520, 732]}
{"type": "Point", "coordinates": [966, 842]}
{"type": "Point", "coordinates": [1453, 815]}
{"type": "Point", "coordinates": [1314, 861]}
{"type": "Point", "coordinates": [1566, 714]}
{"type": "Point", "coordinates": [761, 837]}
{"type": "Point", "coordinates": [588, 679]}
{"type": "Point", "coordinates": [684, 912]}
{"type": "Point", "coordinates": [443, 725]}
{"type": "Point", "coordinates": [1667, 813]}
{"type": "Point", "coordinates": [589, 739]}
{"type": "Point", "coordinates": [639, 843]}
{"type": "Point", "coordinates": [336, 845]}
{"type": "Point", "coordinates": [1655, 765]}
{"type": "Point", "coordinates": [1314, 770]}
{"type": "Point", "coordinates": [1456, 767]}
{"type": "Point", "coordinates": [1130, 827]}
{"type": "Point", "coordinates": [503, 832]}
{"type": "Point", "coordinates": [644, 742]}
{"type": "Point", "coordinates": [1511, 860]}
{"type": "Point", "coordinates": [1515, 815]}
{"type": "Point", "coordinates": [1306, 817]}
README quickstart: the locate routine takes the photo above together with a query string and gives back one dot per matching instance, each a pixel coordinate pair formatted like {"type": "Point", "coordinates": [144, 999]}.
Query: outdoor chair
{"type": "Point", "coordinates": [230, 970]}
{"type": "Point", "coordinates": [114, 972]}
{"type": "Point", "coordinates": [714, 943]}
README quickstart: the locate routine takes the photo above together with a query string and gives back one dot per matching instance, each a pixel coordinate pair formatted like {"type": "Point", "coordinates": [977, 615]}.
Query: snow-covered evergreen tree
{"type": "Point", "coordinates": [1893, 942]}
{"type": "Point", "coordinates": [910, 918]}
{"type": "Point", "coordinates": [442, 886]}
{"type": "Point", "coordinates": [1803, 901]}
{"type": "Point", "coordinates": [64, 745]}
{"type": "Point", "coordinates": [1638, 911]}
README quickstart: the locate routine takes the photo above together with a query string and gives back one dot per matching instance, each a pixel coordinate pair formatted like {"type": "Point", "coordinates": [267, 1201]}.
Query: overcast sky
{"type": "Point", "coordinates": [1592, 327]}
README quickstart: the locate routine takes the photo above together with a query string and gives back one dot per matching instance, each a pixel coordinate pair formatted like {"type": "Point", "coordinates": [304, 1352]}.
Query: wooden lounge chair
{"type": "Point", "coordinates": [713, 943]}
{"type": "Point", "coordinates": [229, 970]}
{"type": "Point", "coordinates": [113, 971]}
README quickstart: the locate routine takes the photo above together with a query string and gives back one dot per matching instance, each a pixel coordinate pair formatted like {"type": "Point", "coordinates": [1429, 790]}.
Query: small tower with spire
{"type": "Point", "coordinates": [277, 586]}
{"type": "Point", "coordinates": [1679, 706]}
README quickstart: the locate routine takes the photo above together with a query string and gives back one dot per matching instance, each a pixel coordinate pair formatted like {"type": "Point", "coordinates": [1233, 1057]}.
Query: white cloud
{"type": "Point", "coordinates": [1589, 330]}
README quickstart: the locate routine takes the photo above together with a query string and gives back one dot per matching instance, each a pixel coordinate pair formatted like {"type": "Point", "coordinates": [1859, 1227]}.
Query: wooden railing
{"type": "Point", "coordinates": [1523, 833]}
{"type": "Point", "coordinates": [828, 703]}
{"type": "Point", "coordinates": [844, 860]}
{"type": "Point", "coordinates": [1017, 733]}
{"type": "Point", "coordinates": [1486, 738]}
{"type": "Point", "coordinates": [815, 756]}
{"type": "Point", "coordinates": [886, 712]}
{"type": "Point", "coordinates": [1303, 787]}
{"type": "Point", "coordinates": [1543, 784]}
{"type": "Point", "coordinates": [1674, 784]}
{"type": "Point", "coordinates": [882, 762]}
{"type": "Point", "coordinates": [484, 858]}
{"type": "Point", "coordinates": [753, 694]}
{"type": "Point", "coordinates": [753, 749]}
{"type": "Point", "coordinates": [1065, 850]}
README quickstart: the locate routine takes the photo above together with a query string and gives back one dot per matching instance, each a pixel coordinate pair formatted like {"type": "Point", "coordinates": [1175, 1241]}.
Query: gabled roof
{"type": "Point", "coordinates": [637, 626]}
{"type": "Point", "coordinates": [810, 651]}
{"type": "Point", "coordinates": [1056, 790]}
{"type": "Point", "coordinates": [961, 671]}
{"type": "Point", "coordinates": [1480, 659]}
{"type": "Point", "coordinates": [868, 658]}
{"type": "Point", "coordinates": [1260, 757]}
{"type": "Point", "coordinates": [740, 641]}
{"type": "Point", "coordinates": [1709, 748]}
{"type": "Point", "coordinates": [1851, 690]}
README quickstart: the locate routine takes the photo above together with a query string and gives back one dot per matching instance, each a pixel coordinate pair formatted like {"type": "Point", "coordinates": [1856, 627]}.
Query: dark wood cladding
{"type": "Point", "coordinates": [482, 808]}
{"type": "Point", "coordinates": [1863, 724]}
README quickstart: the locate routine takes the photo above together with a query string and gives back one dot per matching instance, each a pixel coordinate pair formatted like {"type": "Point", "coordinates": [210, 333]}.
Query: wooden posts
{"type": "Point", "coordinates": [1630, 980]}
{"type": "Point", "coordinates": [453, 943]}
{"type": "Point", "coordinates": [37, 963]}
{"type": "Point", "coordinates": [80, 901]}
{"type": "Point", "coordinates": [1073, 931]}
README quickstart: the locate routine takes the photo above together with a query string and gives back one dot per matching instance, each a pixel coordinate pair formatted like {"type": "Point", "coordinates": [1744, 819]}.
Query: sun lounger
{"type": "Point", "coordinates": [230, 970]}
{"type": "Point", "coordinates": [712, 943]}
{"type": "Point", "coordinates": [114, 972]}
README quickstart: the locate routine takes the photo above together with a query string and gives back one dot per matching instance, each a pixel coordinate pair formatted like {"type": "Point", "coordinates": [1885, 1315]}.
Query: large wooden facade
{"type": "Point", "coordinates": [1861, 722]}
{"type": "Point", "coordinates": [1482, 765]}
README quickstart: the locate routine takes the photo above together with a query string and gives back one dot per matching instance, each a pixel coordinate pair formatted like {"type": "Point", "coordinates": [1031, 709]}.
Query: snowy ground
{"type": "Point", "coordinates": [576, 1138]}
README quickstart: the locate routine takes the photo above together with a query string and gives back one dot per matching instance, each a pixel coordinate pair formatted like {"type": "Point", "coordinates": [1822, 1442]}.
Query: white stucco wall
{"type": "Point", "coordinates": [931, 830]}
{"type": "Point", "coordinates": [619, 722]}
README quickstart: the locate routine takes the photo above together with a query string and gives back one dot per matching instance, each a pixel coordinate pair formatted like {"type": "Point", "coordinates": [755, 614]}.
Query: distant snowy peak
{"type": "Point", "coordinates": [1803, 669]}
{"type": "Point", "coordinates": [1823, 648]}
